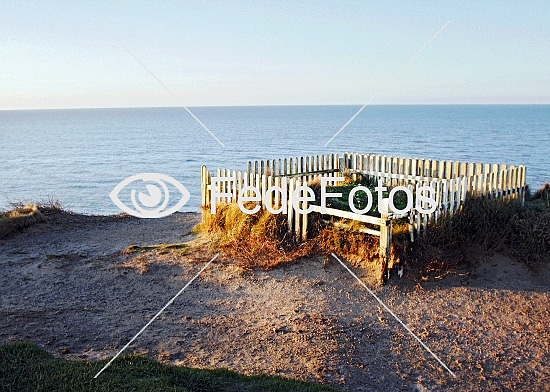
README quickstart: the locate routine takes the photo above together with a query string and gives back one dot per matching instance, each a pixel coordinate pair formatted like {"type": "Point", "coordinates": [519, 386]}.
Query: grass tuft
{"type": "Point", "coordinates": [23, 215]}
{"type": "Point", "coordinates": [18, 218]}
{"type": "Point", "coordinates": [160, 248]}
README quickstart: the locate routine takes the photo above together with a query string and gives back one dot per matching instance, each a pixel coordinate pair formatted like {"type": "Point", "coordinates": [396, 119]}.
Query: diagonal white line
{"type": "Point", "coordinates": [387, 82]}
{"type": "Point", "coordinates": [394, 316]}
{"type": "Point", "coordinates": [156, 315]}
{"type": "Point", "coordinates": [159, 81]}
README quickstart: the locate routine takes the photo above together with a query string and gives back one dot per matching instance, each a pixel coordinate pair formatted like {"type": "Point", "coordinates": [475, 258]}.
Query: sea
{"type": "Point", "coordinates": [77, 156]}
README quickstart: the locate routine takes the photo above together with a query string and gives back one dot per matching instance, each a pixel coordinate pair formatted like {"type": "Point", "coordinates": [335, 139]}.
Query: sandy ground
{"type": "Point", "coordinates": [64, 287]}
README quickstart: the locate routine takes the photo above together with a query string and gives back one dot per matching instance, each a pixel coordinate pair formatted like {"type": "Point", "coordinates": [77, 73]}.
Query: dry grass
{"type": "Point", "coordinates": [23, 215]}
{"type": "Point", "coordinates": [482, 227]}
{"type": "Point", "coordinates": [258, 239]}
{"type": "Point", "coordinates": [543, 194]}
{"type": "Point", "coordinates": [48, 207]}
{"type": "Point", "coordinates": [262, 240]}
{"type": "Point", "coordinates": [143, 256]}
{"type": "Point", "coordinates": [160, 248]}
{"type": "Point", "coordinates": [19, 217]}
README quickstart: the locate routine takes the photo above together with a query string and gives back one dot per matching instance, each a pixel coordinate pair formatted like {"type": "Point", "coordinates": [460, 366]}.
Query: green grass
{"type": "Point", "coordinates": [160, 248]}
{"type": "Point", "coordinates": [360, 198]}
{"type": "Point", "coordinates": [27, 367]}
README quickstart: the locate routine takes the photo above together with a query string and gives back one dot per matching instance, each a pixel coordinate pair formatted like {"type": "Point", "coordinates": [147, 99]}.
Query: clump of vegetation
{"type": "Point", "coordinates": [259, 239]}
{"type": "Point", "coordinates": [19, 218]}
{"type": "Point", "coordinates": [27, 367]}
{"type": "Point", "coordinates": [543, 194]}
{"type": "Point", "coordinates": [22, 215]}
{"type": "Point", "coordinates": [160, 248]}
{"type": "Point", "coordinates": [262, 239]}
{"type": "Point", "coordinates": [142, 260]}
{"type": "Point", "coordinates": [484, 226]}
{"type": "Point", "coordinates": [48, 207]}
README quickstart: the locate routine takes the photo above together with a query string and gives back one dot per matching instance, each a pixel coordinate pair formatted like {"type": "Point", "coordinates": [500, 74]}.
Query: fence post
{"type": "Point", "coordinates": [203, 185]}
{"type": "Point", "coordinates": [522, 184]}
{"type": "Point", "coordinates": [297, 216]}
{"type": "Point", "coordinates": [417, 213]}
{"type": "Point", "coordinates": [290, 209]}
{"type": "Point", "coordinates": [263, 189]}
{"type": "Point", "coordinates": [385, 242]}
{"type": "Point", "coordinates": [304, 221]}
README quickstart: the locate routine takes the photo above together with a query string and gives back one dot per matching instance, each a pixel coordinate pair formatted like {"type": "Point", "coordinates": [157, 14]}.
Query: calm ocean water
{"type": "Point", "coordinates": [78, 156]}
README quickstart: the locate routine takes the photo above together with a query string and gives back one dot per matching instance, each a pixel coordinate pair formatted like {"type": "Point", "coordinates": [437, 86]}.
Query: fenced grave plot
{"type": "Point", "coordinates": [280, 186]}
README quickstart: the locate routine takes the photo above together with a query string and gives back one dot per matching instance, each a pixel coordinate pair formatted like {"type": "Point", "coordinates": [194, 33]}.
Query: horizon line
{"type": "Point", "coordinates": [275, 105]}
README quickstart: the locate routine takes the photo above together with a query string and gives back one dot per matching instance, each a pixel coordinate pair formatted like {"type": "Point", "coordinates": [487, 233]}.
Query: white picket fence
{"type": "Point", "coordinates": [453, 183]}
{"type": "Point", "coordinates": [265, 174]}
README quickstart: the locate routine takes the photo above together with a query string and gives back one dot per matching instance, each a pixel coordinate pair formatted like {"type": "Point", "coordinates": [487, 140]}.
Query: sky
{"type": "Point", "coordinates": [57, 54]}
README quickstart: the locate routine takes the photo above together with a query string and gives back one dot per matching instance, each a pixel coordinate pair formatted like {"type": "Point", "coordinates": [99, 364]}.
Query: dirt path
{"type": "Point", "coordinates": [62, 287]}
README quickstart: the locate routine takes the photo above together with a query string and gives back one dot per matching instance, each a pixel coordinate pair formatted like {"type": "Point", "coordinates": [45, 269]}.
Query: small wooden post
{"type": "Point", "coordinates": [270, 199]}
{"type": "Point", "coordinates": [479, 185]}
{"type": "Point", "coordinates": [203, 184]}
{"type": "Point", "coordinates": [277, 182]}
{"type": "Point", "coordinates": [290, 209]}
{"type": "Point", "coordinates": [522, 184]}
{"type": "Point", "coordinates": [258, 183]}
{"type": "Point", "coordinates": [449, 170]}
{"type": "Point", "coordinates": [297, 216]}
{"type": "Point", "coordinates": [464, 169]}
{"type": "Point", "coordinates": [452, 196]}
{"type": "Point", "coordinates": [513, 181]}
{"type": "Point", "coordinates": [445, 192]}
{"type": "Point", "coordinates": [417, 214]}
{"type": "Point", "coordinates": [458, 195]}
{"type": "Point", "coordinates": [411, 217]}
{"type": "Point", "coordinates": [234, 185]}
{"type": "Point", "coordinates": [263, 189]}
{"type": "Point", "coordinates": [304, 221]}
{"type": "Point", "coordinates": [436, 185]}
{"type": "Point", "coordinates": [239, 183]}
{"type": "Point", "coordinates": [385, 240]}
{"type": "Point", "coordinates": [425, 216]}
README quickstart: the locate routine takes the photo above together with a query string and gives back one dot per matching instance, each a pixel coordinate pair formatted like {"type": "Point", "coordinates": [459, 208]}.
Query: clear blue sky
{"type": "Point", "coordinates": [56, 54]}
